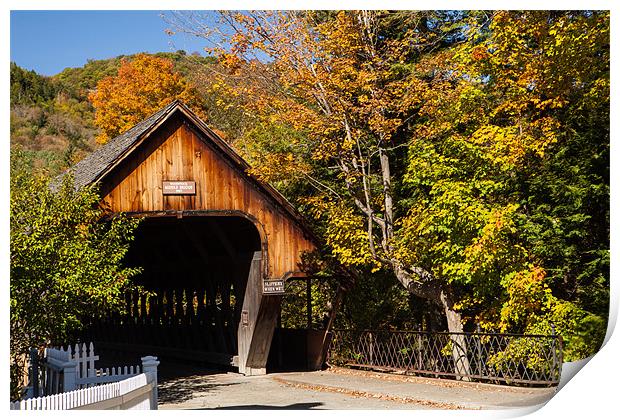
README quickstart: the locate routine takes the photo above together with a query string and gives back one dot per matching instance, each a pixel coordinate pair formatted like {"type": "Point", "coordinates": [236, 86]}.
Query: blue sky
{"type": "Point", "coordinates": [49, 41]}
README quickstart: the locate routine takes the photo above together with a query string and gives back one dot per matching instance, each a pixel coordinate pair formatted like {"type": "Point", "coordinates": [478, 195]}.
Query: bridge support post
{"type": "Point", "coordinates": [257, 324]}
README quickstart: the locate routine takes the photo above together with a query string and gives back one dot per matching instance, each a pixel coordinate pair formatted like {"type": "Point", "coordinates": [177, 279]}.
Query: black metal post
{"type": "Point", "coordinates": [554, 355]}
{"type": "Point", "coordinates": [479, 351]}
{"type": "Point", "coordinates": [421, 363]}
{"type": "Point", "coordinates": [308, 303]}
{"type": "Point", "coordinates": [34, 372]}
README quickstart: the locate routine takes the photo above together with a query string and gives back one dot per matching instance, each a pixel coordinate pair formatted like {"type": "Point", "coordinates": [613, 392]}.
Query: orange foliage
{"type": "Point", "coordinates": [142, 86]}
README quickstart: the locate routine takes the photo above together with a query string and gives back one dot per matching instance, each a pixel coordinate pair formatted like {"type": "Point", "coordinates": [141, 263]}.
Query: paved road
{"type": "Point", "coordinates": [234, 391]}
{"type": "Point", "coordinates": [336, 389]}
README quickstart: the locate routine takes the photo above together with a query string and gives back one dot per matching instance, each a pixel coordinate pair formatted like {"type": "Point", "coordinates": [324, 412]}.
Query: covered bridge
{"type": "Point", "coordinates": [216, 244]}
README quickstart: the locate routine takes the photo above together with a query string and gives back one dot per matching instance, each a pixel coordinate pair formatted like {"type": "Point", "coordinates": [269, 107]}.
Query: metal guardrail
{"type": "Point", "coordinates": [485, 357]}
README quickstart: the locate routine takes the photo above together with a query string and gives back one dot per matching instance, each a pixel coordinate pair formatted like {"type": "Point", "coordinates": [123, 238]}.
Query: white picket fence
{"type": "Point", "coordinates": [70, 381]}
{"type": "Point", "coordinates": [137, 393]}
{"type": "Point", "coordinates": [76, 367]}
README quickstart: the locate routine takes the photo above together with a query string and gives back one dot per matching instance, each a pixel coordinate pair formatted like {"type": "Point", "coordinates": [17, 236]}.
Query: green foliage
{"type": "Point", "coordinates": [378, 301]}
{"type": "Point", "coordinates": [30, 88]}
{"type": "Point", "coordinates": [527, 351]}
{"type": "Point", "coordinates": [65, 263]}
{"type": "Point", "coordinates": [582, 332]}
{"type": "Point", "coordinates": [186, 64]}
{"type": "Point", "coordinates": [48, 123]}
{"type": "Point", "coordinates": [507, 187]}
{"type": "Point", "coordinates": [294, 304]}
{"type": "Point", "coordinates": [54, 137]}
{"type": "Point", "coordinates": [47, 161]}
{"type": "Point", "coordinates": [78, 81]}
{"type": "Point", "coordinates": [565, 218]}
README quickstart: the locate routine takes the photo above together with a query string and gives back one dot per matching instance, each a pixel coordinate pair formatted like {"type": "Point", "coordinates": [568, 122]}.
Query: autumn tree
{"type": "Point", "coordinates": [343, 81]}
{"type": "Point", "coordinates": [417, 140]}
{"type": "Point", "coordinates": [500, 169]}
{"type": "Point", "coordinates": [142, 86]}
{"type": "Point", "coordinates": [563, 189]}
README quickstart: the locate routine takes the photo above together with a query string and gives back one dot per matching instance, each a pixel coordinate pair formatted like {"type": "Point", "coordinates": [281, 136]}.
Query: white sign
{"type": "Point", "coordinates": [273, 287]}
{"type": "Point", "coordinates": [179, 187]}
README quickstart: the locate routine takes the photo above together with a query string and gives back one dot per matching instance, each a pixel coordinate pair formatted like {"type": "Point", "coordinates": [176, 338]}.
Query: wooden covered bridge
{"type": "Point", "coordinates": [216, 244]}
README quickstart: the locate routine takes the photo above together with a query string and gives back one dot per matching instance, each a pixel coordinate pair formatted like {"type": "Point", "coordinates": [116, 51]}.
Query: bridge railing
{"type": "Point", "coordinates": [490, 357]}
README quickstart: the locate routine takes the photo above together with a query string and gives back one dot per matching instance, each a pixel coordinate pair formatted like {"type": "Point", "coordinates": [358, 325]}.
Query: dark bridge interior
{"type": "Point", "coordinates": [196, 269]}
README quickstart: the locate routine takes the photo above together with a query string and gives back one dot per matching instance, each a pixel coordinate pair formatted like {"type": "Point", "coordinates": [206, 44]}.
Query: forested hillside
{"type": "Point", "coordinates": [52, 120]}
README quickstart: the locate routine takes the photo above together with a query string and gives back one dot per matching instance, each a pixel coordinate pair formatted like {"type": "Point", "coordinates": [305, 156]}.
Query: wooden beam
{"type": "Point", "coordinates": [259, 317]}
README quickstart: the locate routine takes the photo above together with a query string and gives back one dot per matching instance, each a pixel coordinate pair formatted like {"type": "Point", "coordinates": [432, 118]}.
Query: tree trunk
{"type": "Point", "coordinates": [335, 306]}
{"type": "Point", "coordinates": [459, 345]}
{"type": "Point", "coordinates": [428, 288]}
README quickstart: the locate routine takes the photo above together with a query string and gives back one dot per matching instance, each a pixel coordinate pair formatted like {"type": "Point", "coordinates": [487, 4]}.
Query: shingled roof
{"type": "Point", "coordinates": [94, 167]}
{"type": "Point", "coordinates": [96, 164]}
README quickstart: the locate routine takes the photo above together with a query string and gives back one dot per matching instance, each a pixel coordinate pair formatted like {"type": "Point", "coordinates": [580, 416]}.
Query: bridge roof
{"type": "Point", "coordinates": [94, 167]}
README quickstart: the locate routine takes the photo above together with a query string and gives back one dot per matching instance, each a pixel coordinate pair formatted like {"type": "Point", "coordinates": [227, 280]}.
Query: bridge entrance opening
{"type": "Point", "coordinates": [194, 276]}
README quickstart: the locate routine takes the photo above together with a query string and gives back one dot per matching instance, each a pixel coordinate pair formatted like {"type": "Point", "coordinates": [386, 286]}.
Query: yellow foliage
{"type": "Point", "coordinates": [274, 167]}
{"type": "Point", "coordinates": [485, 249]}
{"type": "Point", "coordinates": [347, 237]}
{"type": "Point", "coordinates": [507, 90]}
{"type": "Point", "coordinates": [528, 295]}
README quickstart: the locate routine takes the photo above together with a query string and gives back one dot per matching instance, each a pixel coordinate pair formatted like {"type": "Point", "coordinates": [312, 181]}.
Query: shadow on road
{"type": "Point", "coordinates": [296, 406]}
{"type": "Point", "coordinates": [182, 382]}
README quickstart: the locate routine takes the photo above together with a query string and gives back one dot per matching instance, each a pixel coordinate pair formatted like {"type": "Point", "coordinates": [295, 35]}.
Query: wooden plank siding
{"type": "Point", "coordinates": [177, 151]}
